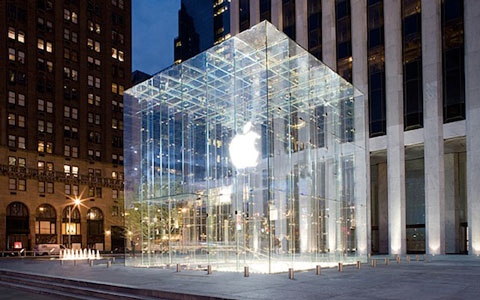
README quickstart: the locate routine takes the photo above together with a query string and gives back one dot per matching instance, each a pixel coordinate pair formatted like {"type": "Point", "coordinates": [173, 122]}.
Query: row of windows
{"type": "Point", "coordinates": [16, 55]}
{"type": "Point", "coordinates": [16, 120]}
{"type": "Point", "coordinates": [43, 166]}
{"type": "Point", "coordinates": [70, 16]}
{"type": "Point", "coordinates": [14, 34]}
{"type": "Point", "coordinates": [119, 3]}
{"type": "Point", "coordinates": [118, 89]}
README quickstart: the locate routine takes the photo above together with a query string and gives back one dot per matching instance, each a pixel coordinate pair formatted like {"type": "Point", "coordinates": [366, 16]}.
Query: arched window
{"type": "Point", "coordinates": [71, 221]}
{"type": "Point", "coordinates": [95, 232]}
{"type": "Point", "coordinates": [46, 225]}
{"type": "Point", "coordinates": [17, 228]}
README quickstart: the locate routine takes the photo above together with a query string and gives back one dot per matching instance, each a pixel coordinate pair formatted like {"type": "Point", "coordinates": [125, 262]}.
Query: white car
{"type": "Point", "coordinates": [48, 249]}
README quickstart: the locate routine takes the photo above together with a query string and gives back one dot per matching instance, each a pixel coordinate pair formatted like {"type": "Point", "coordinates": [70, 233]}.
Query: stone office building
{"type": "Point", "coordinates": [63, 68]}
{"type": "Point", "coordinates": [418, 63]}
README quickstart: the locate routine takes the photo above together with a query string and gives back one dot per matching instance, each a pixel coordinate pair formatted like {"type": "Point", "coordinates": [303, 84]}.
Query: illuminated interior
{"type": "Point", "coordinates": [244, 155]}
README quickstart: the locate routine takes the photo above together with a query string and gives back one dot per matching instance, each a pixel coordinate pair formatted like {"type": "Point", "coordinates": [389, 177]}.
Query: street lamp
{"type": "Point", "coordinates": [76, 202]}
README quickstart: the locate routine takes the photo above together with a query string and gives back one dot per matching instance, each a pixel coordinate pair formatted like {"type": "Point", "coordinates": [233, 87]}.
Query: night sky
{"type": "Point", "coordinates": [155, 25]}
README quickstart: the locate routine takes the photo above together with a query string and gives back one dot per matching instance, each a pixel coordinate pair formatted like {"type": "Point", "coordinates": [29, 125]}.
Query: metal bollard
{"type": "Point", "coordinates": [374, 263]}
{"type": "Point", "coordinates": [90, 262]}
{"type": "Point", "coordinates": [109, 264]}
{"type": "Point", "coordinates": [246, 272]}
{"type": "Point", "coordinates": [340, 267]}
{"type": "Point", "coordinates": [398, 259]}
{"type": "Point", "coordinates": [61, 262]}
{"type": "Point", "coordinates": [178, 268]}
{"type": "Point", "coordinates": [209, 269]}
{"type": "Point", "coordinates": [387, 261]}
{"type": "Point", "coordinates": [417, 257]}
{"type": "Point", "coordinates": [113, 259]}
{"type": "Point", "coordinates": [318, 270]}
{"type": "Point", "coordinates": [358, 264]}
{"type": "Point", "coordinates": [408, 258]}
{"type": "Point", "coordinates": [291, 274]}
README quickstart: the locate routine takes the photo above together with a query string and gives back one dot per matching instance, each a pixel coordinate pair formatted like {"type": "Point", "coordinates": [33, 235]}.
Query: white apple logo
{"type": "Point", "coordinates": [242, 148]}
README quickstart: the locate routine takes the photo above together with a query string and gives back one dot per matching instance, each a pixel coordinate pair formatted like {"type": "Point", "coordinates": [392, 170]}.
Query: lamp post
{"type": "Point", "coordinates": [76, 202]}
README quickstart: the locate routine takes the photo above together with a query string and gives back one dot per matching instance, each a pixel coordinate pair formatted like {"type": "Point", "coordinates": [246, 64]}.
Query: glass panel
{"type": "Point", "coordinates": [244, 155]}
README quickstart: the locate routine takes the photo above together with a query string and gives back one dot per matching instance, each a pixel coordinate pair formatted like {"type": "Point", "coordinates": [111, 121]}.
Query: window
{"type": "Point", "coordinates": [68, 189]}
{"type": "Point", "coordinates": [21, 121]}
{"type": "Point", "coordinates": [41, 146]}
{"type": "Point", "coordinates": [76, 190]}
{"type": "Point", "coordinates": [266, 10]}
{"type": "Point", "coordinates": [49, 107]}
{"type": "Point", "coordinates": [114, 194]}
{"type": "Point", "coordinates": [50, 187]}
{"type": "Point", "coordinates": [49, 47]}
{"type": "Point", "coordinates": [21, 57]}
{"type": "Point", "coordinates": [22, 162]}
{"type": "Point", "coordinates": [343, 39]}
{"type": "Point", "coordinates": [12, 184]}
{"type": "Point", "coordinates": [41, 165]}
{"type": "Point", "coordinates": [49, 166]}
{"type": "Point", "coordinates": [12, 141]}
{"type": "Point", "coordinates": [244, 14]}
{"type": "Point", "coordinates": [11, 97]}
{"type": "Point", "coordinates": [66, 111]}
{"type": "Point", "coordinates": [98, 192]}
{"type": "Point", "coordinates": [22, 185]}
{"type": "Point", "coordinates": [41, 126]}
{"type": "Point", "coordinates": [97, 82]}
{"type": "Point", "coordinates": [114, 174]}
{"type": "Point", "coordinates": [66, 150]}
{"type": "Point", "coordinates": [67, 169]}
{"type": "Point", "coordinates": [90, 80]}
{"type": "Point", "coordinates": [97, 46]}
{"type": "Point", "coordinates": [41, 186]}
{"type": "Point", "coordinates": [40, 44]}
{"type": "Point", "coordinates": [314, 27]}
{"type": "Point", "coordinates": [21, 37]}
{"type": "Point", "coordinates": [21, 142]}
{"type": "Point", "coordinates": [114, 88]}
{"type": "Point", "coordinates": [75, 113]}
{"type": "Point", "coordinates": [11, 33]}
{"type": "Point", "coordinates": [288, 11]}
{"type": "Point", "coordinates": [11, 54]}
{"type": "Point", "coordinates": [12, 161]}
{"type": "Point", "coordinates": [74, 17]}
{"type": "Point", "coordinates": [21, 99]}
{"type": "Point", "coordinates": [11, 119]}
{"type": "Point", "coordinates": [75, 152]}
{"type": "Point", "coordinates": [49, 127]}
{"type": "Point", "coordinates": [66, 14]}
{"type": "Point", "coordinates": [75, 171]}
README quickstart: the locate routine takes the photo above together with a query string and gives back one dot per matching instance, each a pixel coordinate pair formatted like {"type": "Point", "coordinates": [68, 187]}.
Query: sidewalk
{"type": "Point", "coordinates": [444, 277]}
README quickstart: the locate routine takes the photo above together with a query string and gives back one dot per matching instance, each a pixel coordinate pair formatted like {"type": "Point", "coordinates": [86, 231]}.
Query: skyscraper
{"type": "Point", "coordinates": [201, 24]}
{"type": "Point", "coordinates": [62, 76]}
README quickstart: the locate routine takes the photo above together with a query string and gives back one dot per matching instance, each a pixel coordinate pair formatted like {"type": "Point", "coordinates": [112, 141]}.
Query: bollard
{"type": "Point", "coordinates": [61, 261]}
{"type": "Point", "coordinates": [209, 270]}
{"type": "Point", "coordinates": [398, 259]}
{"type": "Point", "coordinates": [374, 263]}
{"type": "Point", "coordinates": [418, 258]}
{"type": "Point", "coordinates": [74, 262]}
{"type": "Point", "coordinates": [424, 257]}
{"type": "Point", "coordinates": [246, 272]}
{"type": "Point", "coordinates": [318, 270]}
{"type": "Point", "coordinates": [178, 268]}
{"type": "Point", "coordinates": [90, 262]}
{"type": "Point", "coordinates": [387, 261]}
{"type": "Point", "coordinates": [109, 264]}
{"type": "Point", "coordinates": [340, 267]}
{"type": "Point", "coordinates": [291, 274]}
{"type": "Point", "coordinates": [408, 258]}
{"type": "Point", "coordinates": [358, 264]}
{"type": "Point", "coordinates": [113, 259]}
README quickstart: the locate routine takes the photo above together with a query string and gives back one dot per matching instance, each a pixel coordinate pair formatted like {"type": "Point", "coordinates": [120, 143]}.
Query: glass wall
{"type": "Point", "coordinates": [265, 10]}
{"type": "Point", "coordinates": [376, 68]}
{"type": "Point", "coordinates": [344, 39]}
{"type": "Point", "coordinates": [244, 14]}
{"type": "Point", "coordinates": [453, 61]}
{"type": "Point", "coordinates": [236, 158]}
{"type": "Point", "coordinates": [288, 11]}
{"type": "Point", "coordinates": [412, 64]}
{"type": "Point", "coordinates": [314, 10]}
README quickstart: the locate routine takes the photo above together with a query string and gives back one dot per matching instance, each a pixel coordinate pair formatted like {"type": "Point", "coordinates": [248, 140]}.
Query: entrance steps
{"type": "Point", "coordinates": [67, 288]}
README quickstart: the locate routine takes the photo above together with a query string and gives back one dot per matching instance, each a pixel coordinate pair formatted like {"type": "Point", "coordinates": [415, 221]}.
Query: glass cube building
{"type": "Point", "coordinates": [245, 155]}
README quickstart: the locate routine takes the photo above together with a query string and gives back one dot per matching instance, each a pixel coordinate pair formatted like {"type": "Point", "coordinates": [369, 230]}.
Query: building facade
{"type": "Point", "coordinates": [201, 24]}
{"type": "Point", "coordinates": [64, 67]}
{"type": "Point", "coordinates": [418, 64]}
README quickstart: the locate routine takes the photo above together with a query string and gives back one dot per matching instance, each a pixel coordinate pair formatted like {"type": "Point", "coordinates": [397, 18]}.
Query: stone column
{"type": "Point", "coordinates": [433, 127]}
{"type": "Point", "coordinates": [329, 47]}
{"type": "Point", "coordinates": [277, 17]}
{"type": "Point", "coordinates": [234, 19]}
{"type": "Point", "coordinates": [472, 93]}
{"type": "Point", "coordinates": [382, 208]}
{"type": "Point", "coordinates": [395, 143]}
{"type": "Point", "coordinates": [301, 22]}
{"type": "Point", "coordinates": [254, 12]}
{"type": "Point", "coordinates": [362, 158]}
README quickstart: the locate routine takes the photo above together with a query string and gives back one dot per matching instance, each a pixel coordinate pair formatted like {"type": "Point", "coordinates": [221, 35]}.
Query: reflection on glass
{"type": "Point", "coordinates": [244, 155]}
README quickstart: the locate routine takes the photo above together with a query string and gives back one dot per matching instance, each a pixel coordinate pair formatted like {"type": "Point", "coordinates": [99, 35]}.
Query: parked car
{"type": "Point", "coordinates": [48, 249]}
